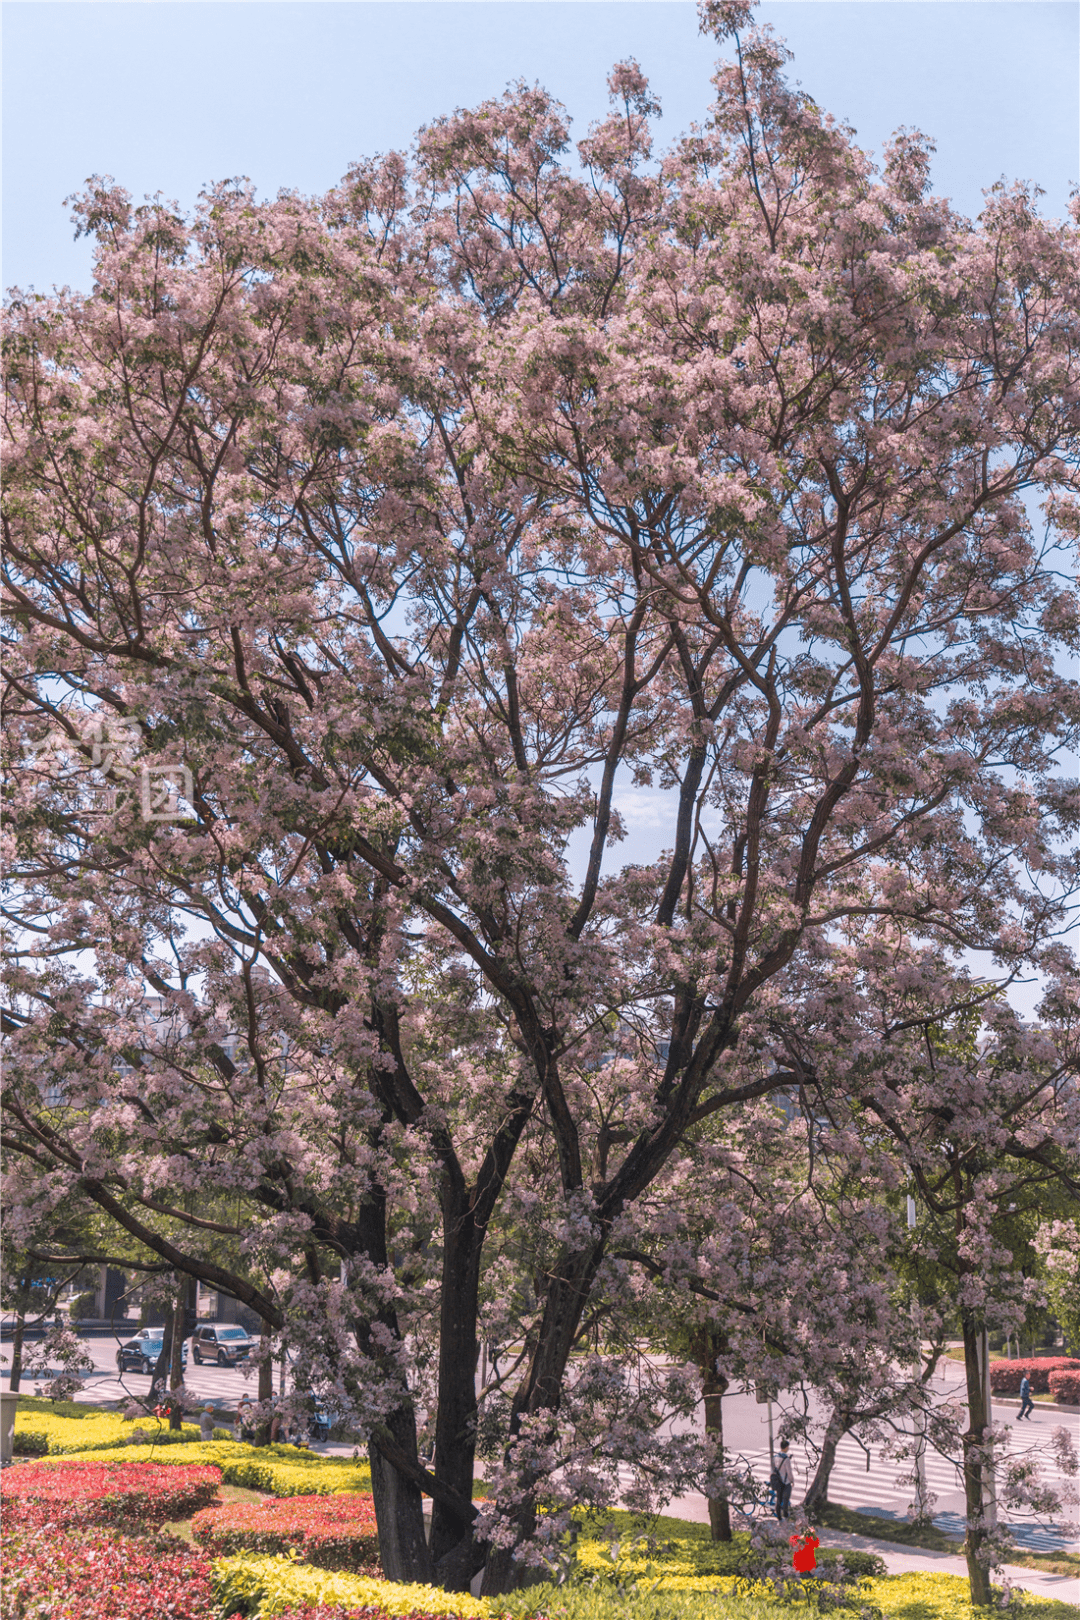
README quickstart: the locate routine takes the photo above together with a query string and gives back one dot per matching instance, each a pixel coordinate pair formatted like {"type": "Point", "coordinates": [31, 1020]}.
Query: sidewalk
{"type": "Point", "coordinates": [901, 1560]}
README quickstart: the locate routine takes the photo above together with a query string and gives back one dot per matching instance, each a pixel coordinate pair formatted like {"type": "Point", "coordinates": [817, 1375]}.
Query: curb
{"type": "Point", "coordinates": [1041, 1403]}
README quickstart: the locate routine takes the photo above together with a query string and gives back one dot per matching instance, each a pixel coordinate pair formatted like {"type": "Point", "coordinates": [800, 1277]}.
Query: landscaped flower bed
{"type": "Point", "coordinates": [95, 1575]}
{"type": "Point", "coordinates": [334, 1532]}
{"type": "Point", "coordinates": [71, 1495]}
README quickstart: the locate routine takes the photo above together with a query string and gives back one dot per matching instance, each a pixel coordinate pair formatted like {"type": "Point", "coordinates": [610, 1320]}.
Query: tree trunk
{"type": "Point", "coordinates": [266, 1386]}
{"type": "Point", "coordinates": [541, 1391]}
{"type": "Point", "coordinates": [714, 1386]}
{"type": "Point", "coordinates": [17, 1348]}
{"type": "Point", "coordinates": [159, 1377]}
{"type": "Point", "coordinates": [817, 1492]}
{"type": "Point", "coordinates": [176, 1356]}
{"type": "Point", "coordinates": [452, 1551]}
{"type": "Point", "coordinates": [399, 1507]}
{"type": "Point", "coordinates": [975, 1464]}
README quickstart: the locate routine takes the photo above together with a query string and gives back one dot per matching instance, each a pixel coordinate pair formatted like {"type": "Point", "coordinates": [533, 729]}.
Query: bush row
{"type": "Point", "coordinates": [269, 1586]}
{"type": "Point", "coordinates": [1005, 1376]}
{"type": "Point", "coordinates": [332, 1532]}
{"type": "Point", "coordinates": [69, 1496]}
{"type": "Point", "coordinates": [278, 1470]}
{"type": "Point", "coordinates": [98, 1431]}
{"type": "Point", "coordinates": [1065, 1386]}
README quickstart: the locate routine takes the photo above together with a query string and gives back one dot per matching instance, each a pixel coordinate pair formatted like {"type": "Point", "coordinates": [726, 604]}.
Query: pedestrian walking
{"type": "Point", "coordinates": [206, 1423]}
{"type": "Point", "coordinates": [785, 1476]}
{"type": "Point", "coordinates": [245, 1419]}
{"type": "Point", "coordinates": [1027, 1405]}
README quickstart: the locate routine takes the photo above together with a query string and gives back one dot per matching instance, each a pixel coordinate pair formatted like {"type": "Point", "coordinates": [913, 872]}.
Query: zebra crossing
{"type": "Point", "coordinates": [874, 1490]}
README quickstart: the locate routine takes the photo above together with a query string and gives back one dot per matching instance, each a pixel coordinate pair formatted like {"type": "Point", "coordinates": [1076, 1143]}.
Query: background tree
{"type": "Point", "coordinates": [983, 1112]}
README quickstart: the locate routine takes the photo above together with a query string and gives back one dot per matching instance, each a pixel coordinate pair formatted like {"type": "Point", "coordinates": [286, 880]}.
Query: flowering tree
{"type": "Point", "coordinates": [360, 550]}
{"type": "Point", "coordinates": [983, 1115]}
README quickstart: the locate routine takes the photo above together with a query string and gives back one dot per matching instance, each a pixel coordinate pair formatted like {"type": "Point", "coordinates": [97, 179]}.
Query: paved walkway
{"type": "Point", "coordinates": [900, 1560]}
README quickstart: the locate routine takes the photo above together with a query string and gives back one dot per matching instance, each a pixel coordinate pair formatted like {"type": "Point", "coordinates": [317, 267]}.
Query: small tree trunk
{"type": "Point", "coordinates": [541, 1391]}
{"type": "Point", "coordinates": [16, 1351]}
{"type": "Point", "coordinates": [176, 1355]}
{"type": "Point", "coordinates": [266, 1385]}
{"type": "Point", "coordinates": [714, 1387]}
{"type": "Point", "coordinates": [975, 1467]}
{"type": "Point", "coordinates": [160, 1375]}
{"type": "Point", "coordinates": [817, 1492]}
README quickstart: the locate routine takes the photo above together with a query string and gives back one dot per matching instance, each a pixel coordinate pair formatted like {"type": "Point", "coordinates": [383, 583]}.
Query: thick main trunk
{"type": "Point", "coordinates": [976, 1470]}
{"type": "Point", "coordinates": [452, 1550]}
{"type": "Point", "coordinates": [399, 1507]}
{"type": "Point", "coordinates": [817, 1492]}
{"type": "Point", "coordinates": [541, 1391]}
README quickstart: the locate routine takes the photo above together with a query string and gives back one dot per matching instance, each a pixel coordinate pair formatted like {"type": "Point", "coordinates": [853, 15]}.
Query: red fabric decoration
{"type": "Point", "coordinates": [804, 1559]}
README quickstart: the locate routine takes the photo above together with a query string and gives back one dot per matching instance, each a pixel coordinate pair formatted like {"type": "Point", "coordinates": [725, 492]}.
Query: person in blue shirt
{"type": "Point", "coordinates": [1027, 1405]}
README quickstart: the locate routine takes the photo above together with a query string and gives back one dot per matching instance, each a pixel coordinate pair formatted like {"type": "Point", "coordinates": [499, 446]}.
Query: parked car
{"type": "Point", "coordinates": [223, 1343]}
{"type": "Point", "coordinates": [140, 1354]}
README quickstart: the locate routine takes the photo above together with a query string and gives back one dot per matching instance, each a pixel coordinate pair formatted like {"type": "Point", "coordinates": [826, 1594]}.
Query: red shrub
{"type": "Point", "coordinates": [1065, 1386]}
{"type": "Point", "coordinates": [92, 1575]}
{"type": "Point", "coordinates": [71, 1495]}
{"type": "Point", "coordinates": [335, 1532]}
{"type": "Point", "coordinates": [1005, 1376]}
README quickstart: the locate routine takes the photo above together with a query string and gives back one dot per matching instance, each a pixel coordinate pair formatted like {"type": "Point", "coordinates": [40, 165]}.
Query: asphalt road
{"type": "Point", "coordinates": [221, 1387]}
{"type": "Point", "coordinates": [866, 1484]}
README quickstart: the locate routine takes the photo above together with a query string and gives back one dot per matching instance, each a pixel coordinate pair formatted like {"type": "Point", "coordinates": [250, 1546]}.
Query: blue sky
{"type": "Point", "coordinates": [170, 94]}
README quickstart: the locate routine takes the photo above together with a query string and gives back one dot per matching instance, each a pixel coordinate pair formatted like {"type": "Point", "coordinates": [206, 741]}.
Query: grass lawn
{"type": "Point", "coordinates": [227, 1493]}
{"type": "Point", "coordinates": [906, 1534]}
{"type": "Point", "coordinates": [67, 1409]}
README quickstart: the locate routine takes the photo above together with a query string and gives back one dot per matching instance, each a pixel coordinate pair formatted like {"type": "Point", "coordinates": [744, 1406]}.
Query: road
{"type": "Point", "coordinates": [220, 1387]}
{"type": "Point", "coordinates": [868, 1483]}
{"type": "Point", "coordinates": [869, 1488]}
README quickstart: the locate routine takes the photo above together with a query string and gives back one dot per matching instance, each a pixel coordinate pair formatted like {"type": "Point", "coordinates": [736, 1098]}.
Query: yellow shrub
{"type": "Point", "coordinates": [264, 1586]}
{"type": "Point", "coordinates": [100, 1432]}
{"type": "Point", "coordinates": [278, 1470]}
{"type": "Point", "coordinates": [922, 1595]}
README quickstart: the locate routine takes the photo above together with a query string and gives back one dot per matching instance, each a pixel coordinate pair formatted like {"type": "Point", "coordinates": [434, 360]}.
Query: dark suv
{"type": "Point", "coordinates": [140, 1353]}
{"type": "Point", "coordinates": [222, 1343]}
